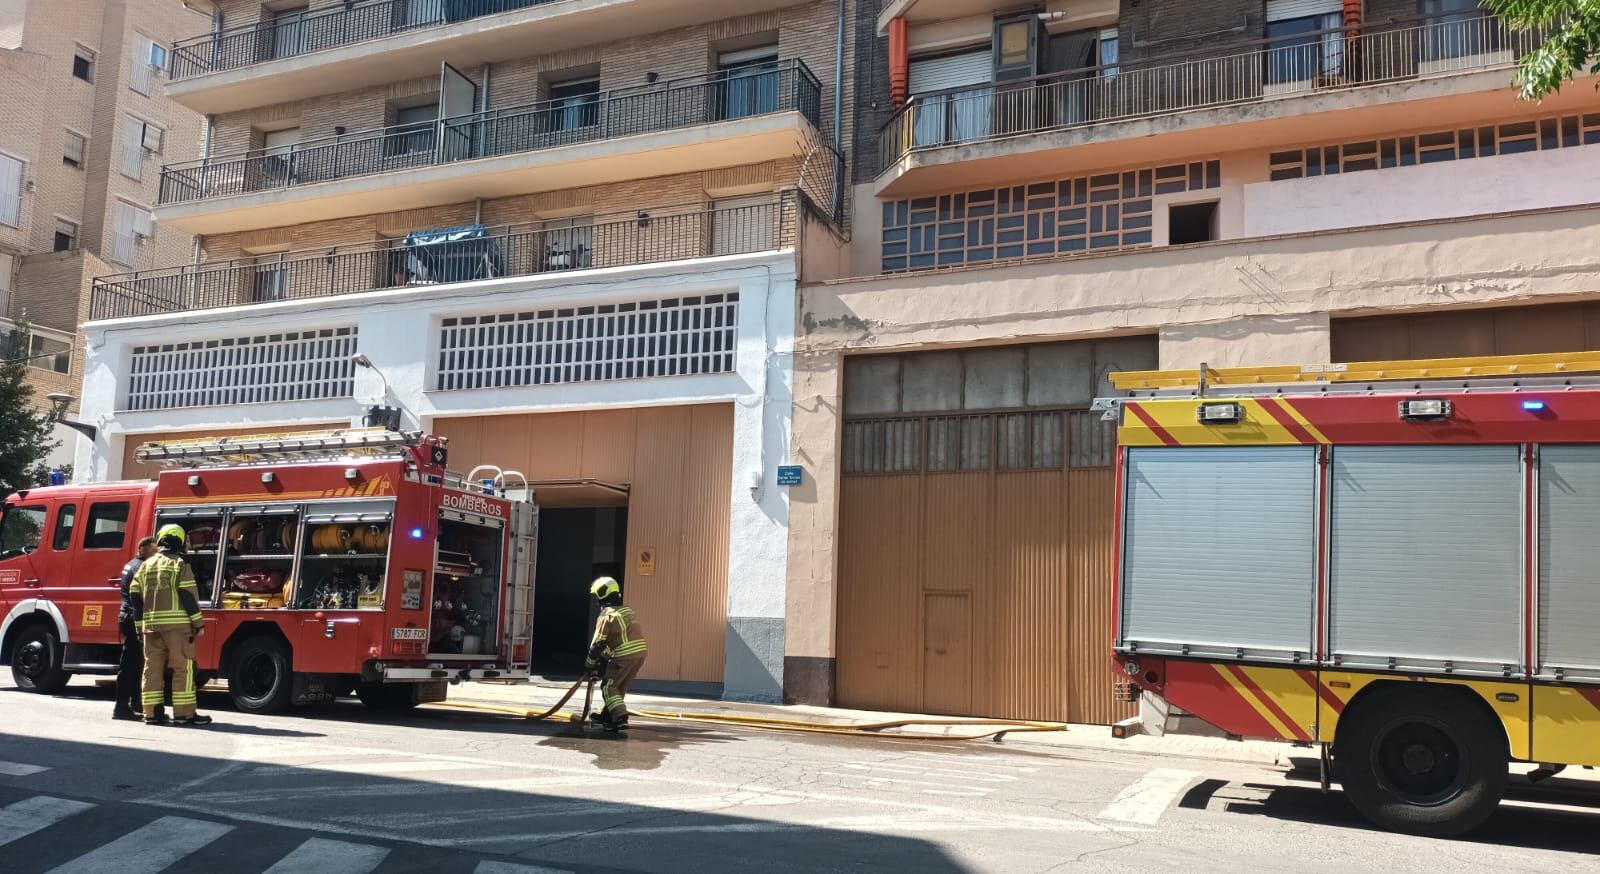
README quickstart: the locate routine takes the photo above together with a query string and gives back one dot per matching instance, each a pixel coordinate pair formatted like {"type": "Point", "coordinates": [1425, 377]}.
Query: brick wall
{"type": "Point", "coordinates": [1150, 29]}
{"type": "Point", "coordinates": [22, 108]}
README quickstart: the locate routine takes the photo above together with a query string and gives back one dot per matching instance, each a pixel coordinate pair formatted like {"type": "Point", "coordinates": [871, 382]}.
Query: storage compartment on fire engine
{"type": "Point", "coordinates": [344, 558]}
{"type": "Point", "coordinates": [466, 585]}
{"type": "Point", "coordinates": [202, 528]}
{"type": "Point", "coordinates": [258, 556]}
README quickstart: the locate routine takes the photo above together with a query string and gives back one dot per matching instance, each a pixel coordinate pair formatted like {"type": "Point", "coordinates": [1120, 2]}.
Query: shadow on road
{"type": "Point", "coordinates": [592, 827]}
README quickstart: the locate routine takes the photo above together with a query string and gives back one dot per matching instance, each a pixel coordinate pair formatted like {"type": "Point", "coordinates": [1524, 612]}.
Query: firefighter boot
{"type": "Point", "coordinates": [158, 716]}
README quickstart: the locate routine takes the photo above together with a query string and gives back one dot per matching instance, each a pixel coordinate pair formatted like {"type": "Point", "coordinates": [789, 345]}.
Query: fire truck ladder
{"type": "Point", "coordinates": [1489, 373]}
{"type": "Point", "coordinates": [261, 448]}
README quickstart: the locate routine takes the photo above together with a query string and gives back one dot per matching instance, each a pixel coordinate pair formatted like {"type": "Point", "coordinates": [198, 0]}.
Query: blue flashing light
{"type": "Point", "coordinates": [416, 534]}
{"type": "Point", "coordinates": [1533, 406]}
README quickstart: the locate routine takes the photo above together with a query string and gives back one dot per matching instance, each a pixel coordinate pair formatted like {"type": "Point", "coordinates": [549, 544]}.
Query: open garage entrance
{"type": "Point", "coordinates": [583, 534]}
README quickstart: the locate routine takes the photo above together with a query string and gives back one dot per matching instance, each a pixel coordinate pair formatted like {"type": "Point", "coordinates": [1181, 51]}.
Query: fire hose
{"type": "Point", "coordinates": [998, 728]}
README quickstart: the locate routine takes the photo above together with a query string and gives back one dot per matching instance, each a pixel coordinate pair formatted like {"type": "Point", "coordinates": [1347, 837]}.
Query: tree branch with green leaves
{"type": "Point", "coordinates": [1573, 43]}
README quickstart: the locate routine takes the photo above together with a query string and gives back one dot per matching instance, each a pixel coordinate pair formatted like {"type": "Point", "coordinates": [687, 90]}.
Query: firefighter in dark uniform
{"type": "Point", "coordinates": [617, 652]}
{"type": "Point", "coordinates": [166, 606]}
{"type": "Point", "coordinates": [131, 664]}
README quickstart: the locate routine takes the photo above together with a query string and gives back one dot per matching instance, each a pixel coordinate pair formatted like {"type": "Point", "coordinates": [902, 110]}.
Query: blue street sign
{"type": "Point", "coordinates": [788, 474]}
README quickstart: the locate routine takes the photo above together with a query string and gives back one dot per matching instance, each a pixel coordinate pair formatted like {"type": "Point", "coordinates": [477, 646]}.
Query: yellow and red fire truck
{"type": "Point", "coordinates": [327, 562]}
{"type": "Point", "coordinates": [1397, 562]}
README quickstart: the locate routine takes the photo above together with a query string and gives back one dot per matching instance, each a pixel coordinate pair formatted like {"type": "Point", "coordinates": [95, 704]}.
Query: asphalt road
{"type": "Point", "coordinates": [339, 790]}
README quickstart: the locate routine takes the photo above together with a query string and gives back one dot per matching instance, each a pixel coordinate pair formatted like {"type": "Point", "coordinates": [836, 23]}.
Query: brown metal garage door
{"type": "Point", "coordinates": [1523, 330]}
{"type": "Point", "coordinates": [976, 532]}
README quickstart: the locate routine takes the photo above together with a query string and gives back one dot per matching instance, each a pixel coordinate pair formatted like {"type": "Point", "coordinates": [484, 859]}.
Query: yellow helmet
{"type": "Point", "coordinates": [173, 531]}
{"type": "Point", "coordinates": [605, 588]}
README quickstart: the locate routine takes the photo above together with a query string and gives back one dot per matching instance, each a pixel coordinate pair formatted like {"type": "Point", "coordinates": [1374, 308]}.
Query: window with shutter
{"type": "Point", "coordinates": [132, 164]}
{"type": "Point", "coordinates": [130, 225]}
{"type": "Point", "coordinates": [151, 138]}
{"type": "Point", "coordinates": [140, 73]}
{"type": "Point", "coordinates": [73, 150]}
{"type": "Point", "coordinates": [10, 191]}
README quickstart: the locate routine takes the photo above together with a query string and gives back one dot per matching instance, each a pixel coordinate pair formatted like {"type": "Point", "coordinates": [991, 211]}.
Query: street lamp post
{"type": "Point", "coordinates": [59, 401]}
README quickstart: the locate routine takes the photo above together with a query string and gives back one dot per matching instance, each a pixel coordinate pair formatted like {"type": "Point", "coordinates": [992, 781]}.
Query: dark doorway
{"type": "Point", "coordinates": [575, 546]}
{"type": "Point", "coordinates": [1192, 223]}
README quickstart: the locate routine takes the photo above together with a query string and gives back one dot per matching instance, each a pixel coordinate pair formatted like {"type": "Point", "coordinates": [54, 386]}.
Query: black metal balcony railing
{"type": "Point", "coordinates": [287, 35]}
{"type": "Point", "coordinates": [787, 87]}
{"type": "Point", "coordinates": [1309, 63]}
{"type": "Point", "coordinates": [649, 236]}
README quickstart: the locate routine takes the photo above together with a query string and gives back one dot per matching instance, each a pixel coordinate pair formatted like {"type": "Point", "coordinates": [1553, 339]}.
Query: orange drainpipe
{"type": "Point", "coordinates": [900, 62]}
{"type": "Point", "coordinates": [1352, 16]}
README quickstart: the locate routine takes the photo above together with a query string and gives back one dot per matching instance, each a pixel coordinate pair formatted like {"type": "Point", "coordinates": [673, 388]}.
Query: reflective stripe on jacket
{"type": "Point", "coordinates": [619, 633]}
{"type": "Point", "coordinates": [164, 594]}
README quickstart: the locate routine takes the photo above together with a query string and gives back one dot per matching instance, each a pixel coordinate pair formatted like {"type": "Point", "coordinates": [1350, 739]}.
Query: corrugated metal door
{"type": "Point", "coordinates": [1569, 560]}
{"type": "Point", "coordinates": [1426, 556]}
{"type": "Point", "coordinates": [947, 648]}
{"type": "Point", "coordinates": [1211, 529]}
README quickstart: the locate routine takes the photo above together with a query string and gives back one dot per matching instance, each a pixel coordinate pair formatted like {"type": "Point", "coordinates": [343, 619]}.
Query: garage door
{"type": "Point", "coordinates": [1523, 330]}
{"type": "Point", "coordinates": [975, 531]}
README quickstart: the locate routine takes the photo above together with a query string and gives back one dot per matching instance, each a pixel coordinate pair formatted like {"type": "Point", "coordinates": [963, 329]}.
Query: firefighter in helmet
{"type": "Point", "coordinates": [166, 608]}
{"type": "Point", "coordinates": [616, 653]}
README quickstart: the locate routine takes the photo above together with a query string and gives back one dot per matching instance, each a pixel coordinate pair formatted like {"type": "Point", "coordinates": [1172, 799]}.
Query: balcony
{"type": "Point", "coordinates": [360, 44]}
{"type": "Point", "coordinates": [1275, 94]}
{"type": "Point", "coordinates": [703, 122]}
{"type": "Point", "coordinates": [451, 256]}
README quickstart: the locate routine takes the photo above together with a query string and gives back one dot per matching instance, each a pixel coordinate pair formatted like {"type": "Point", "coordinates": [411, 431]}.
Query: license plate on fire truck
{"type": "Point", "coordinates": [411, 634]}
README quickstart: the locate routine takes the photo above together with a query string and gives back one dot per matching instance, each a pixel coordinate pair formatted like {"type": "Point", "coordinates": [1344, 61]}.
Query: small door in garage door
{"type": "Point", "coordinates": [947, 661]}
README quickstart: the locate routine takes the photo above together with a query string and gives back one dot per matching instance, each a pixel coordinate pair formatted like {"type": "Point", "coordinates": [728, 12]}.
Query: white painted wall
{"type": "Point", "coordinates": [1452, 189]}
{"type": "Point", "coordinates": [399, 329]}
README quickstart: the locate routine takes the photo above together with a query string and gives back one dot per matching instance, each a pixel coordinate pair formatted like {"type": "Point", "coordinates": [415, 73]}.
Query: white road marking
{"type": "Point", "coordinates": [489, 866]}
{"type": "Point", "coordinates": [188, 788]}
{"type": "Point", "coordinates": [1145, 799]}
{"type": "Point", "coordinates": [147, 850]}
{"type": "Point", "coordinates": [322, 856]}
{"type": "Point", "coordinates": [509, 784]}
{"type": "Point", "coordinates": [959, 774]}
{"type": "Point", "coordinates": [32, 814]}
{"type": "Point", "coordinates": [17, 769]}
{"type": "Point", "coordinates": [409, 766]}
{"type": "Point", "coordinates": [878, 782]}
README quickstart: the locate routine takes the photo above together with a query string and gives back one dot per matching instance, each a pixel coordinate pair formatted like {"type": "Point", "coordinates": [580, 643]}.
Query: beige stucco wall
{"type": "Point", "coordinates": [1264, 300]}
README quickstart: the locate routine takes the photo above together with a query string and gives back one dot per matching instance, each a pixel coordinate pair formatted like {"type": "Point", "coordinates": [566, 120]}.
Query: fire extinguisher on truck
{"type": "Point", "coordinates": [328, 563]}
{"type": "Point", "coordinates": [1391, 561]}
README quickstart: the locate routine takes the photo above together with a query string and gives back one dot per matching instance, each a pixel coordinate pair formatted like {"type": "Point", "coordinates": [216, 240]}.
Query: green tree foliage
{"type": "Point", "coordinates": [1573, 43]}
{"type": "Point", "coordinates": [24, 435]}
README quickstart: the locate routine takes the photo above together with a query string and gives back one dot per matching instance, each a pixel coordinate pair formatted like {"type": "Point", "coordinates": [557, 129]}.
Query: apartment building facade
{"type": "Point", "coordinates": [1064, 189]}
{"type": "Point", "coordinates": [565, 234]}
{"type": "Point", "coordinates": [87, 129]}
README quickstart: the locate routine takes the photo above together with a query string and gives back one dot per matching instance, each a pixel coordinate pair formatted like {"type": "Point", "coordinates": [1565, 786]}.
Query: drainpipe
{"type": "Point", "coordinates": [838, 119]}
{"type": "Point", "coordinates": [899, 63]}
{"type": "Point", "coordinates": [483, 108]}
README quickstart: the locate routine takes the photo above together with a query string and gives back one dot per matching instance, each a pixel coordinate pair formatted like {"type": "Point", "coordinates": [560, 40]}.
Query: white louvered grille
{"type": "Point", "coordinates": [267, 368]}
{"type": "Point", "coordinates": [671, 337]}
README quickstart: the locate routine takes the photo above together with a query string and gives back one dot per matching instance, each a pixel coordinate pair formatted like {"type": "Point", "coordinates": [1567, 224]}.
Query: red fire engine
{"type": "Point", "coordinates": [328, 563]}
{"type": "Point", "coordinates": [1393, 561]}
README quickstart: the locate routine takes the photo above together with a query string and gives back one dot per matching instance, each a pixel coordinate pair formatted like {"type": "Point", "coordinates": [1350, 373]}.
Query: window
{"type": "Point", "coordinates": [7, 265]}
{"type": "Point", "coordinates": [742, 224]}
{"type": "Point", "coordinates": [10, 191]}
{"type": "Point", "coordinates": [49, 354]}
{"type": "Point", "coordinates": [749, 82]}
{"type": "Point", "coordinates": [271, 279]}
{"type": "Point", "coordinates": [108, 526]}
{"type": "Point", "coordinates": [65, 517]}
{"type": "Point", "coordinates": [1108, 53]}
{"type": "Point", "coordinates": [83, 64]}
{"type": "Point", "coordinates": [66, 238]}
{"type": "Point", "coordinates": [413, 131]}
{"type": "Point", "coordinates": [142, 62]}
{"type": "Point", "coordinates": [131, 225]}
{"type": "Point", "coordinates": [20, 531]}
{"type": "Point", "coordinates": [288, 31]}
{"type": "Point", "coordinates": [136, 139]}
{"type": "Point", "coordinates": [1455, 29]}
{"type": "Point", "coordinates": [1303, 40]}
{"type": "Point", "coordinates": [73, 150]}
{"type": "Point", "coordinates": [158, 56]}
{"type": "Point", "coordinates": [1192, 223]}
{"type": "Point", "coordinates": [574, 104]}
{"type": "Point", "coordinates": [1016, 47]}
{"type": "Point", "coordinates": [569, 242]}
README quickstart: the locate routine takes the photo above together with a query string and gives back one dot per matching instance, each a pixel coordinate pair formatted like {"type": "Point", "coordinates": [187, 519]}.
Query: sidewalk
{"type": "Point", "coordinates": [539, 695]}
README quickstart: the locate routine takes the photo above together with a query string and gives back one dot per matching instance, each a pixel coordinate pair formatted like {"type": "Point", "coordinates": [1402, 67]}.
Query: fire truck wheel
{"type": "Point", "coordinates": [389, 697]}
{"type": "Point", "coordinates": [1426, 762]}
{"type": "Point", "coordinates": [261, 680]}
{"type": "Point", "coordinates": [36, 660]}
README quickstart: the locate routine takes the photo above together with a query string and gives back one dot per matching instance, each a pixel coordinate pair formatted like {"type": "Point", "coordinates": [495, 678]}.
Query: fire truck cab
{"type": "Point", "coordinates": [327, 563]}
{"type": "Point", "coordinates": [1395, 562]}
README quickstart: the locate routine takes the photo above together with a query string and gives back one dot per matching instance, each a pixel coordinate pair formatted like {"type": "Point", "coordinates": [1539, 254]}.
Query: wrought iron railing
{"type": "Point", "coordinates": [643, 237]}
{"type": "Point", "coordinates": [727, 95]}
{"type": "Point", "coordinates": [286, 35]}
{"type": "Point", "coordinates": [1309, 63]}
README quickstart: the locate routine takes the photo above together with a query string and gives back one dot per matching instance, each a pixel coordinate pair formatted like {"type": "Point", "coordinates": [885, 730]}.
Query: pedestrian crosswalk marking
{"type": "Point", "coordinates": [489, 866]}
{"type": "Point", "coordinates": [149, 849]}
{"type": "Point", "coordinates": [30, 815]}
{"type": "Point", "coordinates": [17, 769]}
{"type": "Point", "coordinates": [1145, 799]}
{"type": "Point", "coordinates": [323, 856]}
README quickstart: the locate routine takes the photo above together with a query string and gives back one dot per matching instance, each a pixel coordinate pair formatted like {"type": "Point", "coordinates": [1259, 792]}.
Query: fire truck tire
{"type": "Point", "coordinates": [36, 660]}
{"type": "Point", "coordinates": [262, 679]}
{"type": "Point", "coordinates": [387, 697]}
{"type": "Point", "coordinates": [1423, 762]}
